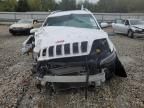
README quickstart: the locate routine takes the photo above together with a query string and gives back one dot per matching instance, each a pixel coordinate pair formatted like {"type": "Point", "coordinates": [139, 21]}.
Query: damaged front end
{"type": "Point", "coordinates": [71, 50]}
{"type": "Point", "coordinates": [93, 69]}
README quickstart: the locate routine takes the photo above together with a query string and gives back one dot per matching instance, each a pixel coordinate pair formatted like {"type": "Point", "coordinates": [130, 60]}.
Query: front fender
{"type": "Point", "coordinates": [119, 68]}
{"type": "Point", "coordinates": [27, 45]}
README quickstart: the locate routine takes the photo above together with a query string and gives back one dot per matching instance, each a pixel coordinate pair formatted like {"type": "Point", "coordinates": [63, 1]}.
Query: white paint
{"type": "Point", "coordinates": [22, 25]}
{"type": "Point", "coordinates": [50, 35]}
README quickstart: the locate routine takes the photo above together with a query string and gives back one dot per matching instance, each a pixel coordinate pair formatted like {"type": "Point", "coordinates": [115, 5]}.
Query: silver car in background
{"type": "Point", "coordinates": [129, 27]}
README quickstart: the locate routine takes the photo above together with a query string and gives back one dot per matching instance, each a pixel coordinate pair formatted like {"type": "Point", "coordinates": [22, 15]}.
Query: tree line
{"type": "Point", "coordinates": [123, 6]}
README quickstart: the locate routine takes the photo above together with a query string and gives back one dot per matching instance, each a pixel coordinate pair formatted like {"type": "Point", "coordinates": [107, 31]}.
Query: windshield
{"type": "Point", "coordinates": [136, 22]}
{"type": "Point", "coordinates": [73, 20]}
{"type": "Point", "coordinates": [25, 21]}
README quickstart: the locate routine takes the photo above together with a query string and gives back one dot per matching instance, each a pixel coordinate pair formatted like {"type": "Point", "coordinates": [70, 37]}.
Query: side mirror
{"type": "Point", "coordinates": [32, 31]}
{"type": "Point", "coordinates": [104, 25]}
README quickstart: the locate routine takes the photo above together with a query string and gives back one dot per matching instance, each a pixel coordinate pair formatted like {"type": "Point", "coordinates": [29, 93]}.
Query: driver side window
{"type": "Point", "coordinates": [120, 21]}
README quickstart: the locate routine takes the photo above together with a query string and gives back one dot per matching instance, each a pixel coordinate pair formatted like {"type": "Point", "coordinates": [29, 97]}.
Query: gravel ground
{"type": "Point", "coordinates": [17, 85]}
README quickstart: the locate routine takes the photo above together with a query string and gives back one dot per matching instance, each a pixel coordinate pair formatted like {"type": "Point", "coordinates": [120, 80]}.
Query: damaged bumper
{"type": "Point", "coordinates": [98, 78]}
{"type": "Point", "coordinates": [96, 74]}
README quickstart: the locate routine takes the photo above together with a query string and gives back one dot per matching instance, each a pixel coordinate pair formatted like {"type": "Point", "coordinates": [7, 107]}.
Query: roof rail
{"type": "Point", "coordinates": [86, 9]}
{"type": "Point", "coordinates": [82, 8]}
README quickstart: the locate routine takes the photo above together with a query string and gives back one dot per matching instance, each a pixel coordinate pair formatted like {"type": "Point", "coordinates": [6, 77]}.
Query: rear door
{"type": "Point", "coordinates": [125, 27]}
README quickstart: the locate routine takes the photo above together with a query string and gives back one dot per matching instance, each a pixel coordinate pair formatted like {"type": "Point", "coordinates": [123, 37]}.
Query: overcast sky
{"type": "Point", "coordinates": [92, 1]}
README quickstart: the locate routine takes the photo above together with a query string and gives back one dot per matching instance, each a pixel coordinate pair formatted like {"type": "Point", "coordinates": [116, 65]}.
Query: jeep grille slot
{"type": "Point", "coordinates": [39, 54]}
{"type": "Point", "coordinates": [59, 49]}
{"type": "Point", "coordinates": [75, 48]}
{"type": "Point", "coordinates": [44, 52]}
{"type": "Point", "coordinates": [84, 46]}
{"type": "Point", "coordinates": [51, 51]}
{"type": "Point", "coordinates": [67, 48]}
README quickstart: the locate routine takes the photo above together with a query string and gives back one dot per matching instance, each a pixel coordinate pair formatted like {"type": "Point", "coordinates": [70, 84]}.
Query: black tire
{"type": "Point", "coordinates": [130, 34]}
{"type": "Point", "coordinates": [108, 74]}
{"type": "Point", "coordinates": [14, 34]}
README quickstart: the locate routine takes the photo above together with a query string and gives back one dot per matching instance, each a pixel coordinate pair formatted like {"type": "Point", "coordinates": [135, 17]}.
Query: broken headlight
{"type": "Point", "coordinates": [138, 30]}
{"type": "Point", "coordinates": [99, 47]}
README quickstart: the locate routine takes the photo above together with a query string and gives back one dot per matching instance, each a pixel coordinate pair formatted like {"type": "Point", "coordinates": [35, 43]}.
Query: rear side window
{"type": "Point", "coordinates": [127, 22]}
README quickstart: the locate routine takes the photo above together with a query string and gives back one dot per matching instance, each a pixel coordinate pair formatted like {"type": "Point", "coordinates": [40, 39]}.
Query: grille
{"type": "Point", "coordinates": [44, 52]}
{"type": "Point", "coordinates": [51, 51]}
{"type": "Point", "coordinates": [66, 49]}
{"type": "Point", "coordinates": [59, 49]}
{"type": "Point", "coordinates": [75, 48]}
{"type": "Point", "coordinates": [84, 46]}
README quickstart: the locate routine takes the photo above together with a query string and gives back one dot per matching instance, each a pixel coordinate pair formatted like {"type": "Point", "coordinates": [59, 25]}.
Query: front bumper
{"type": "Point", "coordinates": [19, 30]}
{"type": "Point", "coordinates": [97, 79]}
{"type": "Point", "coordinates": [94, 75]}
{"type": "Point", "coordinates": [139, 33]}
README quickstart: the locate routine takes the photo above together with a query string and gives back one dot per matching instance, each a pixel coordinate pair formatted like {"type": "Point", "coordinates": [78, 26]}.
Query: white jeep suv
{"type": "Point", "coordinates": [71, 48]}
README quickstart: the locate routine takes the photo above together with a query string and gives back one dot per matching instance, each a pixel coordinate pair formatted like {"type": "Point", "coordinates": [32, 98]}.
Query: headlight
{"type": "Point", "coordinates": [98, 51]}
{"type": "Point", "coordinates": [100, 46]}
{"type": "Point", "coordinates": [139, 30]}
{"type": "Point", "coordinates": [135, 29]}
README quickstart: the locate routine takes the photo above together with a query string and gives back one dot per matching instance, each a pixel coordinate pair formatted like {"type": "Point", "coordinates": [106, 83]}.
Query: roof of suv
{"type": "Point", "coordinates": [61, 13]}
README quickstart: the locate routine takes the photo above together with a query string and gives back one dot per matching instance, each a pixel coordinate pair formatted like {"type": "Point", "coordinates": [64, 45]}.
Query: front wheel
{"type": "Point", "coordinates": [130, 34]}
{"type": "Point", "coordinates": [108, 74]}
{"type": "Point", "coordinates": [14, 34]}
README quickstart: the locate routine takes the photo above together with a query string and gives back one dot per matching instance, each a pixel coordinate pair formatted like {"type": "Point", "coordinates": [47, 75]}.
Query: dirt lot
{"type": "Point", "coordinates": [17, 86]}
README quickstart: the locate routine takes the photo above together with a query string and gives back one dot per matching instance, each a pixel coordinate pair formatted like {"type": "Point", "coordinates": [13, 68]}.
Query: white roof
{"type": "Point", "coordinates": [69, 12]}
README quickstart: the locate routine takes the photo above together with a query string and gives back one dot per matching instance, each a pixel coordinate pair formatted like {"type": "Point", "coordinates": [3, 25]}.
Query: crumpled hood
{"type": "Point", "coordinates": [60, 35]}
{"type": "Point", "coordinates": [139, 26]}
{"type": "Point", "coordinates": [21, 25]}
